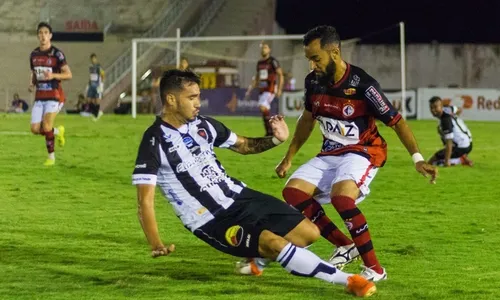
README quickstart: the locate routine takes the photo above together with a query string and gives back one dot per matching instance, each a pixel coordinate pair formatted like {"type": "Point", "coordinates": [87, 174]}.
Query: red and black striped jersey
{"type": "Point", "coordinates": [347, 111]}
{"type": "Point", "coordinates": [52, 61]}
{"type": "Point", "coordinates": [267, 71]}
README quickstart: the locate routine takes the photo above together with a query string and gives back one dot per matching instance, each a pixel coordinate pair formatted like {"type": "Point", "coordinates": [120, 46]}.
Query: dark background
{"type": "Point", "coordinates": [444, 21]}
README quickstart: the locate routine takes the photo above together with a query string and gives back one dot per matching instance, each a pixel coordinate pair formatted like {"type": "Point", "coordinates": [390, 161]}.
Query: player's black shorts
{"type": "Point", "coordinates": [455, 152]}
{"type": "Point", "coordinates": [236, 231]}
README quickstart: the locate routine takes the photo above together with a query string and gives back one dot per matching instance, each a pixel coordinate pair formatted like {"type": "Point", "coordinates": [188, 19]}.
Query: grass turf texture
{"type": "Point", "coordinates": [71, 231]}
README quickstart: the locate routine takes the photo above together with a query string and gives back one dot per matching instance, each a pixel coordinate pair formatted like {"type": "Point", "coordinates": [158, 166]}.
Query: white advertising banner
{"type": "Point", "coordinates": [477, 104]}
{"type": "Point", "coordinates": [292, 103]}
{"type": "Point", "coordinates": [410, 102]}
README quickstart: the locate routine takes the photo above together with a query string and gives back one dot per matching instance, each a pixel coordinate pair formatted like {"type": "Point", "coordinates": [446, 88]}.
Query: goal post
{"type": "Point", "coordinates": [200, 47]}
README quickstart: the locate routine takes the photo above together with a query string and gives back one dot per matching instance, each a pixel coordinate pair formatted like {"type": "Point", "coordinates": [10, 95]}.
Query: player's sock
{"type": "Point", "coordinates": [96, 109]}
{"type": "Point", "coordinates": [55, 130]}
{"type": "Point", "coordinates": [302, 262]}
{"type": "Point", "coordinates": [357, 226]}
{"type": "Point", "coordinates": [455, 161]}
{"type": "Point", "coordinates": [49, 142]}
{"type": "Point", "coordinates": [314, 212]}
{"type": "Point", "coordinates": [265, 117]}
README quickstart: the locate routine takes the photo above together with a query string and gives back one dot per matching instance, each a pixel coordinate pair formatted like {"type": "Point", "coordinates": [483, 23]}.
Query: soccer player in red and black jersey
{"type": "Point", "coordinates": [48, 68]}
{"type": "Point", "coordinates": [346, 102]}
{"type": "Point", "coordinates": [269, 80]}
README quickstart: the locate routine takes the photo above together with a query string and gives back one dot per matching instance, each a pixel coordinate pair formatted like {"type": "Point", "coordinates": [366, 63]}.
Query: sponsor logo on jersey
{"type": "Point", "coordinates": [234, 235]}
{"type": "Point", "coordinates": [350, 91]}
{"type": "Point", "coordinates": [376, 98]}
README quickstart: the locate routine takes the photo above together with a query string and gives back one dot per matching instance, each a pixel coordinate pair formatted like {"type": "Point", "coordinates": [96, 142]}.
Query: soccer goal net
{"type": "Point", "coordinates": [227, 65]}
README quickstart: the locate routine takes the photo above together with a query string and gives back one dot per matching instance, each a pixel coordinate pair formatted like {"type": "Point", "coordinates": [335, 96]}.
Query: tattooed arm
{"type": "Point", "coordinates": [246, 145]}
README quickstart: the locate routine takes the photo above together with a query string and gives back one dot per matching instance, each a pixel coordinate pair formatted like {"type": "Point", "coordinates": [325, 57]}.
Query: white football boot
{"type": "Point", "coordinates": [251, 266]}
{"type": "Point", "coordinates": [344, 255]}
{"type": "Point", "coordinates": [371, 275]}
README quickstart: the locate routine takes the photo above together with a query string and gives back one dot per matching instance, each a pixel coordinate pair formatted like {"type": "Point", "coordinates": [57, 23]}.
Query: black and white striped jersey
{"type": "Point", "coordinates": [182, 162]}
{"type": "Point", "coordinates": [453, 128]}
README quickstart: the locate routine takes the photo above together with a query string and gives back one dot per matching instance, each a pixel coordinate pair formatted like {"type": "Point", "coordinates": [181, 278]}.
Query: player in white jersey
{"type": "Point", "coordinates": [456, 137]}
{"type": "Point", "coordinates": [176, 153]}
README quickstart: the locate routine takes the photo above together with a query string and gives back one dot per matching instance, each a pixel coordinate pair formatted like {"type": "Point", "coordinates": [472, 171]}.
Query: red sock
{"type": "Point", "coordinates": [49, 141]}
{"type": "Point", "coordinates": [265, 117]}
{"type": "Point", "coordinates": [357, 226]}
{"type": "Point", "coordinates": [314, 212]}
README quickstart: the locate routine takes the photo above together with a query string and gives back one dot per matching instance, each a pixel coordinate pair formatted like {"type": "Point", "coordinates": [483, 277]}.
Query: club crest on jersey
{"type": "Point", "coordinates": [234, 235]}
{"type": "Point", "coordinates": [350, 91]}
{"type": "Point", "coordinates": [203, 133]}
{"type": "Point", "coordinates": [348, 110]}
{"type": "Point", "coordinates": [49, 61]}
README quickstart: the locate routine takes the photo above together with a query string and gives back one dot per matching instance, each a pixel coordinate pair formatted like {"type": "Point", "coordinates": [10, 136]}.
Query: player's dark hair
{"type": "Point", "coordinates": [44, 24]}
{"type": "Point", "coordinates": [174, 81]}
{"type": "Point", "coordinates": [434, 99]}
{"type": "Point", "coordinates": [93, 55]}
{"type": "Point", "coordinates": [326, 34]}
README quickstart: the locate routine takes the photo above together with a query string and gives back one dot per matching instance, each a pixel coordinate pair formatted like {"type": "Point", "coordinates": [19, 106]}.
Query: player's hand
{"type": "Point", "coordinates": [279, 127]}
{"type": "Point", "coordinates": [278, 94]}
{"type": "Point", "coordinates": [447, 163]}
{"type": "Point", "coordinates": [283, 167]}
{"type": "Point", "coordinates": [48, 75]}
{"type": "Point", "coordinates": [31, 88]}
{"type": "Point", "coordinates": [162, 251]}
{"type": "Point", "coordinates": [426, 169]}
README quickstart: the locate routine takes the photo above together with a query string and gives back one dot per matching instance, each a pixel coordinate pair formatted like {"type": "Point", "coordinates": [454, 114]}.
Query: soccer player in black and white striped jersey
{"type": "Point", "coordinates": [176, 153]}
{"type": "Point", "coordinates": [455, 135]}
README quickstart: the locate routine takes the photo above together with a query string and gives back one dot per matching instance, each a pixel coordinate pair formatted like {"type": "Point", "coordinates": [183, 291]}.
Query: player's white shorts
{"type": "Point", "coordinates": [325, 171]}
{"type": "Point", "coordinates": [265, 99]}
{"type": "Point", "coordinates": [40, 108]}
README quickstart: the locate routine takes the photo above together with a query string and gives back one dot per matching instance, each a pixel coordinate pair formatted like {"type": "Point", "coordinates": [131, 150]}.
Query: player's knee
{"type": "Point", "coordinates": [47, 126]}
{"type": "Point", "coordinates": [35, 128]}
{"type": "Point", "coordinates": [270, 244]}
{"type": "Point", "coordinates": [347, 188]}
{"type": "Point", "coordinates": [305, 234]}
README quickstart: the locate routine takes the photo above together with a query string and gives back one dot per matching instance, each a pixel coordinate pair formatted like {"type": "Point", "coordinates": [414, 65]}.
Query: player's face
{"type": "Point", "coordinates": [93, 59]}
{"type": "Point", "coordinates": [44, 36]}
{"type": "Point", "coordinates": [188, 101]}
{"type": "Point", "coordinates": [265, 50]}
{"type": "Point", "coordinates": [321, 60]}
{"type": "Point", "coordinates": [437, 108]}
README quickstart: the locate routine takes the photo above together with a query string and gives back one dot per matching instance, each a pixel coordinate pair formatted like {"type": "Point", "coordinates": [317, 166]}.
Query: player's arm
{"type": "Point", "coordinates": [458, 110]}
{"type": "Point", "coordinates": [64, 75]}
{"type": "Point", "coordinates": [144, 178]}
{"type": "Point", "coordinates": [305, 125]}
{"type": "Point", "coordinates": [225, 138]}
{"type": "Point", "coordinates": [385, 112]}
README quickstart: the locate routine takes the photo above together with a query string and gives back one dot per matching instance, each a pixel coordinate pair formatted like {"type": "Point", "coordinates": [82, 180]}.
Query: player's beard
{"type": "Point", "coordinates": [329, 73]}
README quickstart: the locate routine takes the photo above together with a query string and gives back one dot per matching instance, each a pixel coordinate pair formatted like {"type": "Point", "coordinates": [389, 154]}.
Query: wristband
{"type": "Point", "coordinates": [276, 141]}
{"type": "Point", "coordinates": [417, 157]}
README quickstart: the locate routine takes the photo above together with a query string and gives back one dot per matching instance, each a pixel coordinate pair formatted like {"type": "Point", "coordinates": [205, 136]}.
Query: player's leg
{"type": "Point", "coordinates": [437, 159]}
{"type": "Point", "coordinates": [265, 100]}
{"type": "Point", "coordinates": [308, 183]}
{"type": "Point", "coordinates": [350, 186]}
{"type": "Point", "coordinates": [50, 110]}
{"type": "Point", "coordinates": [464, 159]}
{"type": "Point", "coordinates": [36, 118]}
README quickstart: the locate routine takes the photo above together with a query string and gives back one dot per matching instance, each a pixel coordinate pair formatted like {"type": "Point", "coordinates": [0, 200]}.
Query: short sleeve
{"type": "Point", "coordinates": [148, 160]}
{"type": "Point", "coordinates": [307, 95]}
{"type": "Point", "coordinates": [224, 138]}
{"type": "Point", "coordinates": [61, 58]}
{"type": "Point", "coordinates": [275, 64]}
{"type": "Point", "coordinates": [446, 127]}
{"type": "Point", "coordinates": [380, 106]}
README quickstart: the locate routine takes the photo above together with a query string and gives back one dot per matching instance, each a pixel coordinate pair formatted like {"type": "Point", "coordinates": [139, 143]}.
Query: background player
{"type": "Point", "coordinates": [346, 101]}
{"type": "Point", "coordinates": [268, 72]}
{"type": "Point", "coordinates": [48, 68]}
{"type": "Point", "coordinates": [456, 137]}
{"type": "Point", "coordinates": [95, 86]}
{"type": "Point", "coordinates": [177, 153]}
